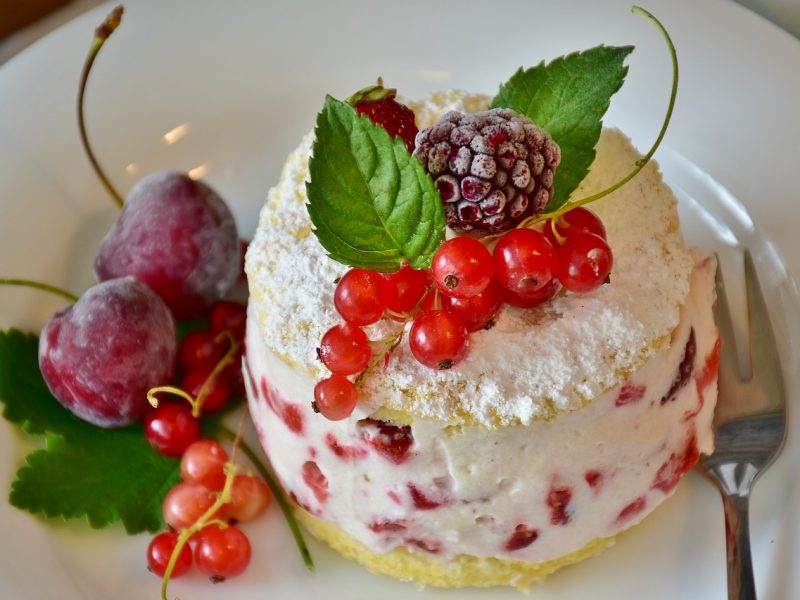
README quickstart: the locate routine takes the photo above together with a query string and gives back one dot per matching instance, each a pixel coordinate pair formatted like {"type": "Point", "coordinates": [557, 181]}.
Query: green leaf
{"type": "Point", "coordinates": [26, 400]}
{"type": "Point", "coordinates": [371, 202]}
{"type": "Point", "coordinates": [568, 98]}
{"type": "Point", "coordinates": [103, 475]}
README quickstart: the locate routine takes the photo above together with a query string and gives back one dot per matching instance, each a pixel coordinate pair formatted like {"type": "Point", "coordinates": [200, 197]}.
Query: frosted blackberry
{"type": "Point", "coordinates": [492, 168]}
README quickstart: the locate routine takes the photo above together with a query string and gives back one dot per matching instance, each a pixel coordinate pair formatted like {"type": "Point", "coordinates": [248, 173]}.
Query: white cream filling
{"type": "Point", "coordinates": [492, 481]}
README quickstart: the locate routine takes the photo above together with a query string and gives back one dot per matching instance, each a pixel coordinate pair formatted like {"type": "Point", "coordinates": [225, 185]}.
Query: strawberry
{"type": "Point", "coordinates": [380, 106]}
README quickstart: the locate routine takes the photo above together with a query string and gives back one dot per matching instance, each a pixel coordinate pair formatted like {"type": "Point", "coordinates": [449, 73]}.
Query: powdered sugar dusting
{"type": "Point", "coordinates": [534, 363]}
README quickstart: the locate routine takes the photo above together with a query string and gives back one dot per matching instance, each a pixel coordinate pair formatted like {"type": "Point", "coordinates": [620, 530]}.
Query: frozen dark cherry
{"type": "Point", "coordinates": [335, 397]}
{"type": "Point", "coordinates": [408, 287]}
{"type": "Point", "coordinates": [379, 104]}
{"type": "Point", "coordinates": [170, 429]}
{"type": "Point", "coordinates": [524, 261]}
{"type": "Point", "coordinates": [203, 462]}
{"type": "Point", "coordinates": [228, 316]}
{"type": "Point", "coordinates": [222, 552]}
{"type": "Point", "coordinates": [584, 262]}
{"type": "Point", "coordinates": [438, 339]}
{"type": "Point", "coordinates": [177, 236]}
{"type": "Point", "coordinates": [462, 267]}
{"type": "Point", "coordinates": [479, 310]}
{"type": "Point", "coordinates": [362, 296]}
{"type": "Point", "coordinates": [101, 355]}
{"type": "Point", "coordinates": [345, 349]}
{"type": "Point", "coordinates": [159, 553]}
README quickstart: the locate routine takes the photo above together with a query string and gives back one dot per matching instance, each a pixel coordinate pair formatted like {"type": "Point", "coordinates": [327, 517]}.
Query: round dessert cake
{"type": "Point", "coordinates": [564, 425]}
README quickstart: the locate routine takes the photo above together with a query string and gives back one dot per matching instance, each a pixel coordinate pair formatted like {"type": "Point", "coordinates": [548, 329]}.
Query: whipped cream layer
{"type": "Point", "coordinates": [530, 493]}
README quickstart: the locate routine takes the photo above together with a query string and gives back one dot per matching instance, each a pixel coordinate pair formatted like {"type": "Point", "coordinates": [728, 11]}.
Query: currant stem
{"type": "Point", "coordinates": [639, 165]}
{"type": "Point", "coordinates": [277, 493]}
{"type": "Point", "coordinates": [38, 285]}
{"type": "Point", "coordinates": [101, 34]}
{"type": "Point", "coordinates": [393, 341]}
{"type": "Point", "coordinates": [670, 107]}
{"type": "Point", "coordinates": [226, 360]}
{"type": "Point", "coordinates": [204, 521]}
{"type": "Point", "coordinates": [169, 389]}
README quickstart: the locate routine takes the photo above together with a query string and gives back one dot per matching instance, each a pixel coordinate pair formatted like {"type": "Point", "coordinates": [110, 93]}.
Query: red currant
{"type": "Point", "coordinates": [577, 220]}
{"type": "Point", "coordinates": [529, 300]}
{"type": "Point", "coordinates": [217, 392]}
{"type": "Point", "coordinates": [222, 552]}
{"type": "Point", "coordinates": [462, 267]}
{"type": "Point", "coordinates": [185, 503]}
{"type": "Point", "coordinates": [409, 285]}
{"type": "Point", "coordinates": [335, 397]}
{"type": "Point", "coordinates": [345, 349]}
{"type": "Point", "coordinates": [199, 350]}
{"type": "Point", "coordinates": [204, 463]}
{"type": "Point", "coordinates": [159, 553]}
{"type": "Point", "coordinates": [524, 261]}
{"type": "Point", "coordinates": [361, 296]}
{"type": "Point", "coordinates": [228, 316]}
{"type": "Point", "coordinates": [170, 428]}
{"type": "Point", "coordinates": [477, 311]}
{"type": "Point", "coordinates": [584, 262]}
{"type": "Point", "coordinates": [438, 339]}
{"type": "Point", "coordinates": [250, 498]}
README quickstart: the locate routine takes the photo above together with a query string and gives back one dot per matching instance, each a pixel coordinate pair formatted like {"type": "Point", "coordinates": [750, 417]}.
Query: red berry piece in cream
{"type": "Point", "coordinates": [393, 442]}
{"type": "Point", "coordinates": [558, 499]}
{"type": "Point", "coordinates": [522, 537]}
{"type": "Point", "coordinates": [315, 480]}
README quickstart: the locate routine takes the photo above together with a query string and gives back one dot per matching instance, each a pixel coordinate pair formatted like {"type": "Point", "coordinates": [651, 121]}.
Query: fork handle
{"type": "Point", "coordinates": [741, 584]}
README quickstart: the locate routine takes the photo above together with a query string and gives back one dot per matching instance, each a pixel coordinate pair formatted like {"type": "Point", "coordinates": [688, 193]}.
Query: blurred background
{"type": "Point", "coordinates": [22, 22]}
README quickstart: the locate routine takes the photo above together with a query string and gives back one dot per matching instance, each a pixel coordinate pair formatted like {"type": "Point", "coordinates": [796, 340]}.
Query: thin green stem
{"type": "Point", "coordinates": [101, 34]}
{"type": "Point", "coordinates": [205, 520]}
{"type": "Point", "coordinates": [216, 372]}
{"type": "Point", "coordinates": [639, 165]}
{"type": "Point", "coordinates": [277, 492]}
{"type": "Point", "coordinates": [40, 286]}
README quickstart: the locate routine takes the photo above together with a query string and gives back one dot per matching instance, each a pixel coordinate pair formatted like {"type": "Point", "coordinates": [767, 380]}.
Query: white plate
{"type": "Point", "coordinates": [248, 79]}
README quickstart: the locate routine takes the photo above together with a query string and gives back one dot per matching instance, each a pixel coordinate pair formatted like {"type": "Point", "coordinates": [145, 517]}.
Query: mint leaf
{"type": "Point", "coordinates": [568, 98]}
{"type": "Point", "coordinates": [371, 202]}
{"type": "Point", "coordinates": [103, 475]}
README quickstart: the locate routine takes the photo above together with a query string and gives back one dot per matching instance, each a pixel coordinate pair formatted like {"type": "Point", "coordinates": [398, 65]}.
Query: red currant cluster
{"type": "Point", "coordinates": [463, 292]}
{"type": "Point", "coordinates": [363, 297]}
{"type": "Point", "coordinates": [211, 361]}
{"type": "Point", "coordinates": [201, 512]}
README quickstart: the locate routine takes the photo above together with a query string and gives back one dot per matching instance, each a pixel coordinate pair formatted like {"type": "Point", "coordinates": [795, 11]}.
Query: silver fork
{"type": "Point", "coordinates": [749, 423]}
